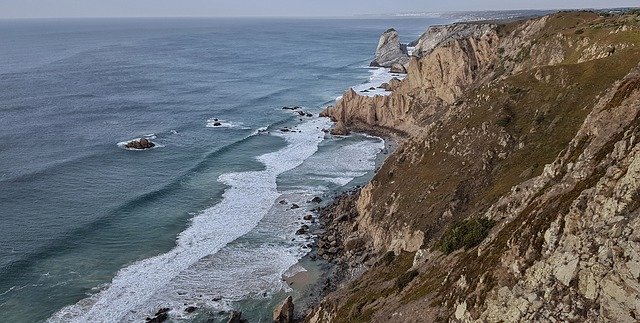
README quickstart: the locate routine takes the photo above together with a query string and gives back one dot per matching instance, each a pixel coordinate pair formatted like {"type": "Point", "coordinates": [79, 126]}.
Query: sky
{"type": "Point", "coordinates": [273, 8]}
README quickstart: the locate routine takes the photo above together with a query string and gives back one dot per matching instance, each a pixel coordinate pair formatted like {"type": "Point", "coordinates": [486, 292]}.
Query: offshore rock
{"type": "Point", "coordinates": [390, 50]}
{"type": "Point", "coordinates": [142, 143]}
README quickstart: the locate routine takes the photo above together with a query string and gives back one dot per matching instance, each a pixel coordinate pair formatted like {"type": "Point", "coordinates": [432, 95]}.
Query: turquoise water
{"type": "Point", "coordinates": [195, 218]}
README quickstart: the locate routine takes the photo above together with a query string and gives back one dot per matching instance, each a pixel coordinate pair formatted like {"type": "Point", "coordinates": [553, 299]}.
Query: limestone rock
{"type": "Point", "coordinates": [390, 50]}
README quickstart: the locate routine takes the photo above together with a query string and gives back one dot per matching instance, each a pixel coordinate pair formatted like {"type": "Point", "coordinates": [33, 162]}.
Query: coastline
{"type": "Point", "coordinates": [327, 266]}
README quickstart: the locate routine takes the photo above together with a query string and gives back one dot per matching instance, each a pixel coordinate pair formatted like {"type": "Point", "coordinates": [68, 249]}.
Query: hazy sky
{"type": "Point", "coordinates": [231, 8]}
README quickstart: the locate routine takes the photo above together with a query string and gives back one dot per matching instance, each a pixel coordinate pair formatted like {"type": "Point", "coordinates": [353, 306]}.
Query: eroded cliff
{"type": "Point", "coordinates": [515, 195]}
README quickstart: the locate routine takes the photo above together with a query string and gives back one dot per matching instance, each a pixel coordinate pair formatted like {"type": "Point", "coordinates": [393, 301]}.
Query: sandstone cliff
{"type": "Point", "coordinates": [515, 195]}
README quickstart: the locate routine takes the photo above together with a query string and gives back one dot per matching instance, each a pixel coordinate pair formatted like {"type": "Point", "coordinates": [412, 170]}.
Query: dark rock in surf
{"type": "Point", "coordinates": [161, 316]}
{"type": "Point", "coordinates": [142, 143]}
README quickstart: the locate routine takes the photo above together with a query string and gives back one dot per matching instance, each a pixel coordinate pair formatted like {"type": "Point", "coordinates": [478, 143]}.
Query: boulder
{"type": "Point", "coordinates": [339, 129]}
{"type": "Point", "coordinates": [161, 316]}
{"type": "Point", "coordinates": [303, 230]}
{"type": "Point", "coordinates": [295, 206]}
{"type": "Point", "coordinates": [308, 217]}
{"type": "Point", "coordinates": [217, 124]}
{"type": "Point", "coordinates": [316, 199]}
{"type": "Point", "coordinates": [390, 50]}
{"type": "Point", "coordinates": [284, 312]}
{"type": "Point", "coordinates": [398, 68]}
{"type": "Point", "coordinates": [142, 143]}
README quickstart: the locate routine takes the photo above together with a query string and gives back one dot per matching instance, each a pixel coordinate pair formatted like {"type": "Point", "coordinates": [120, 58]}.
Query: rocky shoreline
{"type": "Point", "coordinates": [514, 196]}
{"type": "Point", "coordinates": [341, 258]}
{"type": "Point", "coordinates": [339, 255]}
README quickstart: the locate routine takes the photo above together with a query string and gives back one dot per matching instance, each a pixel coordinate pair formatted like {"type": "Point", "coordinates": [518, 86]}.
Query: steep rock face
{"type": "Point", "coordinates": [432, 81]}
{"type": "Point", "coordinates": [544, 143]}
{"type": "Point", "coordinates": [437, 35]}
{"type": "Point", "coordinates": [389, 50]}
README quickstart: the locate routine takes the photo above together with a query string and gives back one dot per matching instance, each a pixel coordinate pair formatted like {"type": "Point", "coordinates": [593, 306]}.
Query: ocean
{"type": "Point", "coordinates": [91, 231]}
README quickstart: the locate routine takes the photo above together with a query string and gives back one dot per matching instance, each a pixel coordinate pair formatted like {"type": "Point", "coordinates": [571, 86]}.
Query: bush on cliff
{"type": "Point", "coordinates": [388, 258]}
{"type": "Point", "coordinates": [405, 279]}
{"type": "Point", "coordinates": [468, 234]}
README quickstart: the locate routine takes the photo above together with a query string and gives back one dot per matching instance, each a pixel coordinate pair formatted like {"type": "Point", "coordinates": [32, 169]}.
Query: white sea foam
{"type": "Point", "coordinates": [261, 130]}
{"type": "Point", "coordinates": [379, 75]}
{"type": "Point", "coordinates": [247, 200]}
{"type": "Point", "coordinates": [211, 123]}
{"type": "Point", "coordinates": [341, 164]}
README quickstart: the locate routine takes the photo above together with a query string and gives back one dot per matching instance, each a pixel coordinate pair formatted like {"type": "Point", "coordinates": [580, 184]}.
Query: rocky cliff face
{"type": "Point", "coordinates": [515, 194]}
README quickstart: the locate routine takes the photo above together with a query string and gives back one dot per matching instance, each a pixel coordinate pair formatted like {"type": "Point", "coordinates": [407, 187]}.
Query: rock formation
{"type": "Point", "coordinates": [515, 193]}
{"type": "Point", "coordinates": [284, 312]}
{"type": "Point", "coordinates": [142, 143]}
{"type": "Point", "coordinates": [390, 51]}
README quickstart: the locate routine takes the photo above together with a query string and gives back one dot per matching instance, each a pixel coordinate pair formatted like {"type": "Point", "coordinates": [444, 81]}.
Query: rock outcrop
{"type": "Point", "coordinates": [284, 312]}
{"type": "Point", "coordinates": [142, 143]}
{"type": "Point", "coordinates": [390, 50]}
{"type": "Point", "coordinates": [437, 35]}
{"type": "Point", "coordinates": [509, 125]}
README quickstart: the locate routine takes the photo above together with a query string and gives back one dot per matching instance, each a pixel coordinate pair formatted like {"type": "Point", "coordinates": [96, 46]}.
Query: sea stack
{"type": "Point", "coordinates": [390, 50]}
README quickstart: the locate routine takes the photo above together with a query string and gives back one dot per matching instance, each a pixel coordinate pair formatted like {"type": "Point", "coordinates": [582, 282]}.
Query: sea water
{"type": "Point", "coordinates": [91, 231]}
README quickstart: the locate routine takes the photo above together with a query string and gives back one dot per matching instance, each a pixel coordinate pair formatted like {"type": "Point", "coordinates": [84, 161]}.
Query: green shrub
{"type": "Point", "coordinates": [388, 258]}
{"type": "Point", "coordinates": [503, 120]}
{"type": "Point", "coordinates": [514, 90]}
{"type": "Point", "coordinates": [405, 279]}
{"type": "Point", "coordinates": [468, 234]}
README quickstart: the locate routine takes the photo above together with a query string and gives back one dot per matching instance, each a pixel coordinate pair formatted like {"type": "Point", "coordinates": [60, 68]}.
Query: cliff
{"type": "Point", "coordinates": [514, 195]}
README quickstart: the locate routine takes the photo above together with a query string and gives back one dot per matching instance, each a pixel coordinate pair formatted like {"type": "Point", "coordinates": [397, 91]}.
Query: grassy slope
{"type": "Point", "coordinates": [542, 116]}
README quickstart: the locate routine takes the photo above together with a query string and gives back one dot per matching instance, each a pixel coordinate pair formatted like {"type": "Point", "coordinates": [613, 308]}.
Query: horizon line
{"type": "Point", "coordinates": [416, 14]}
